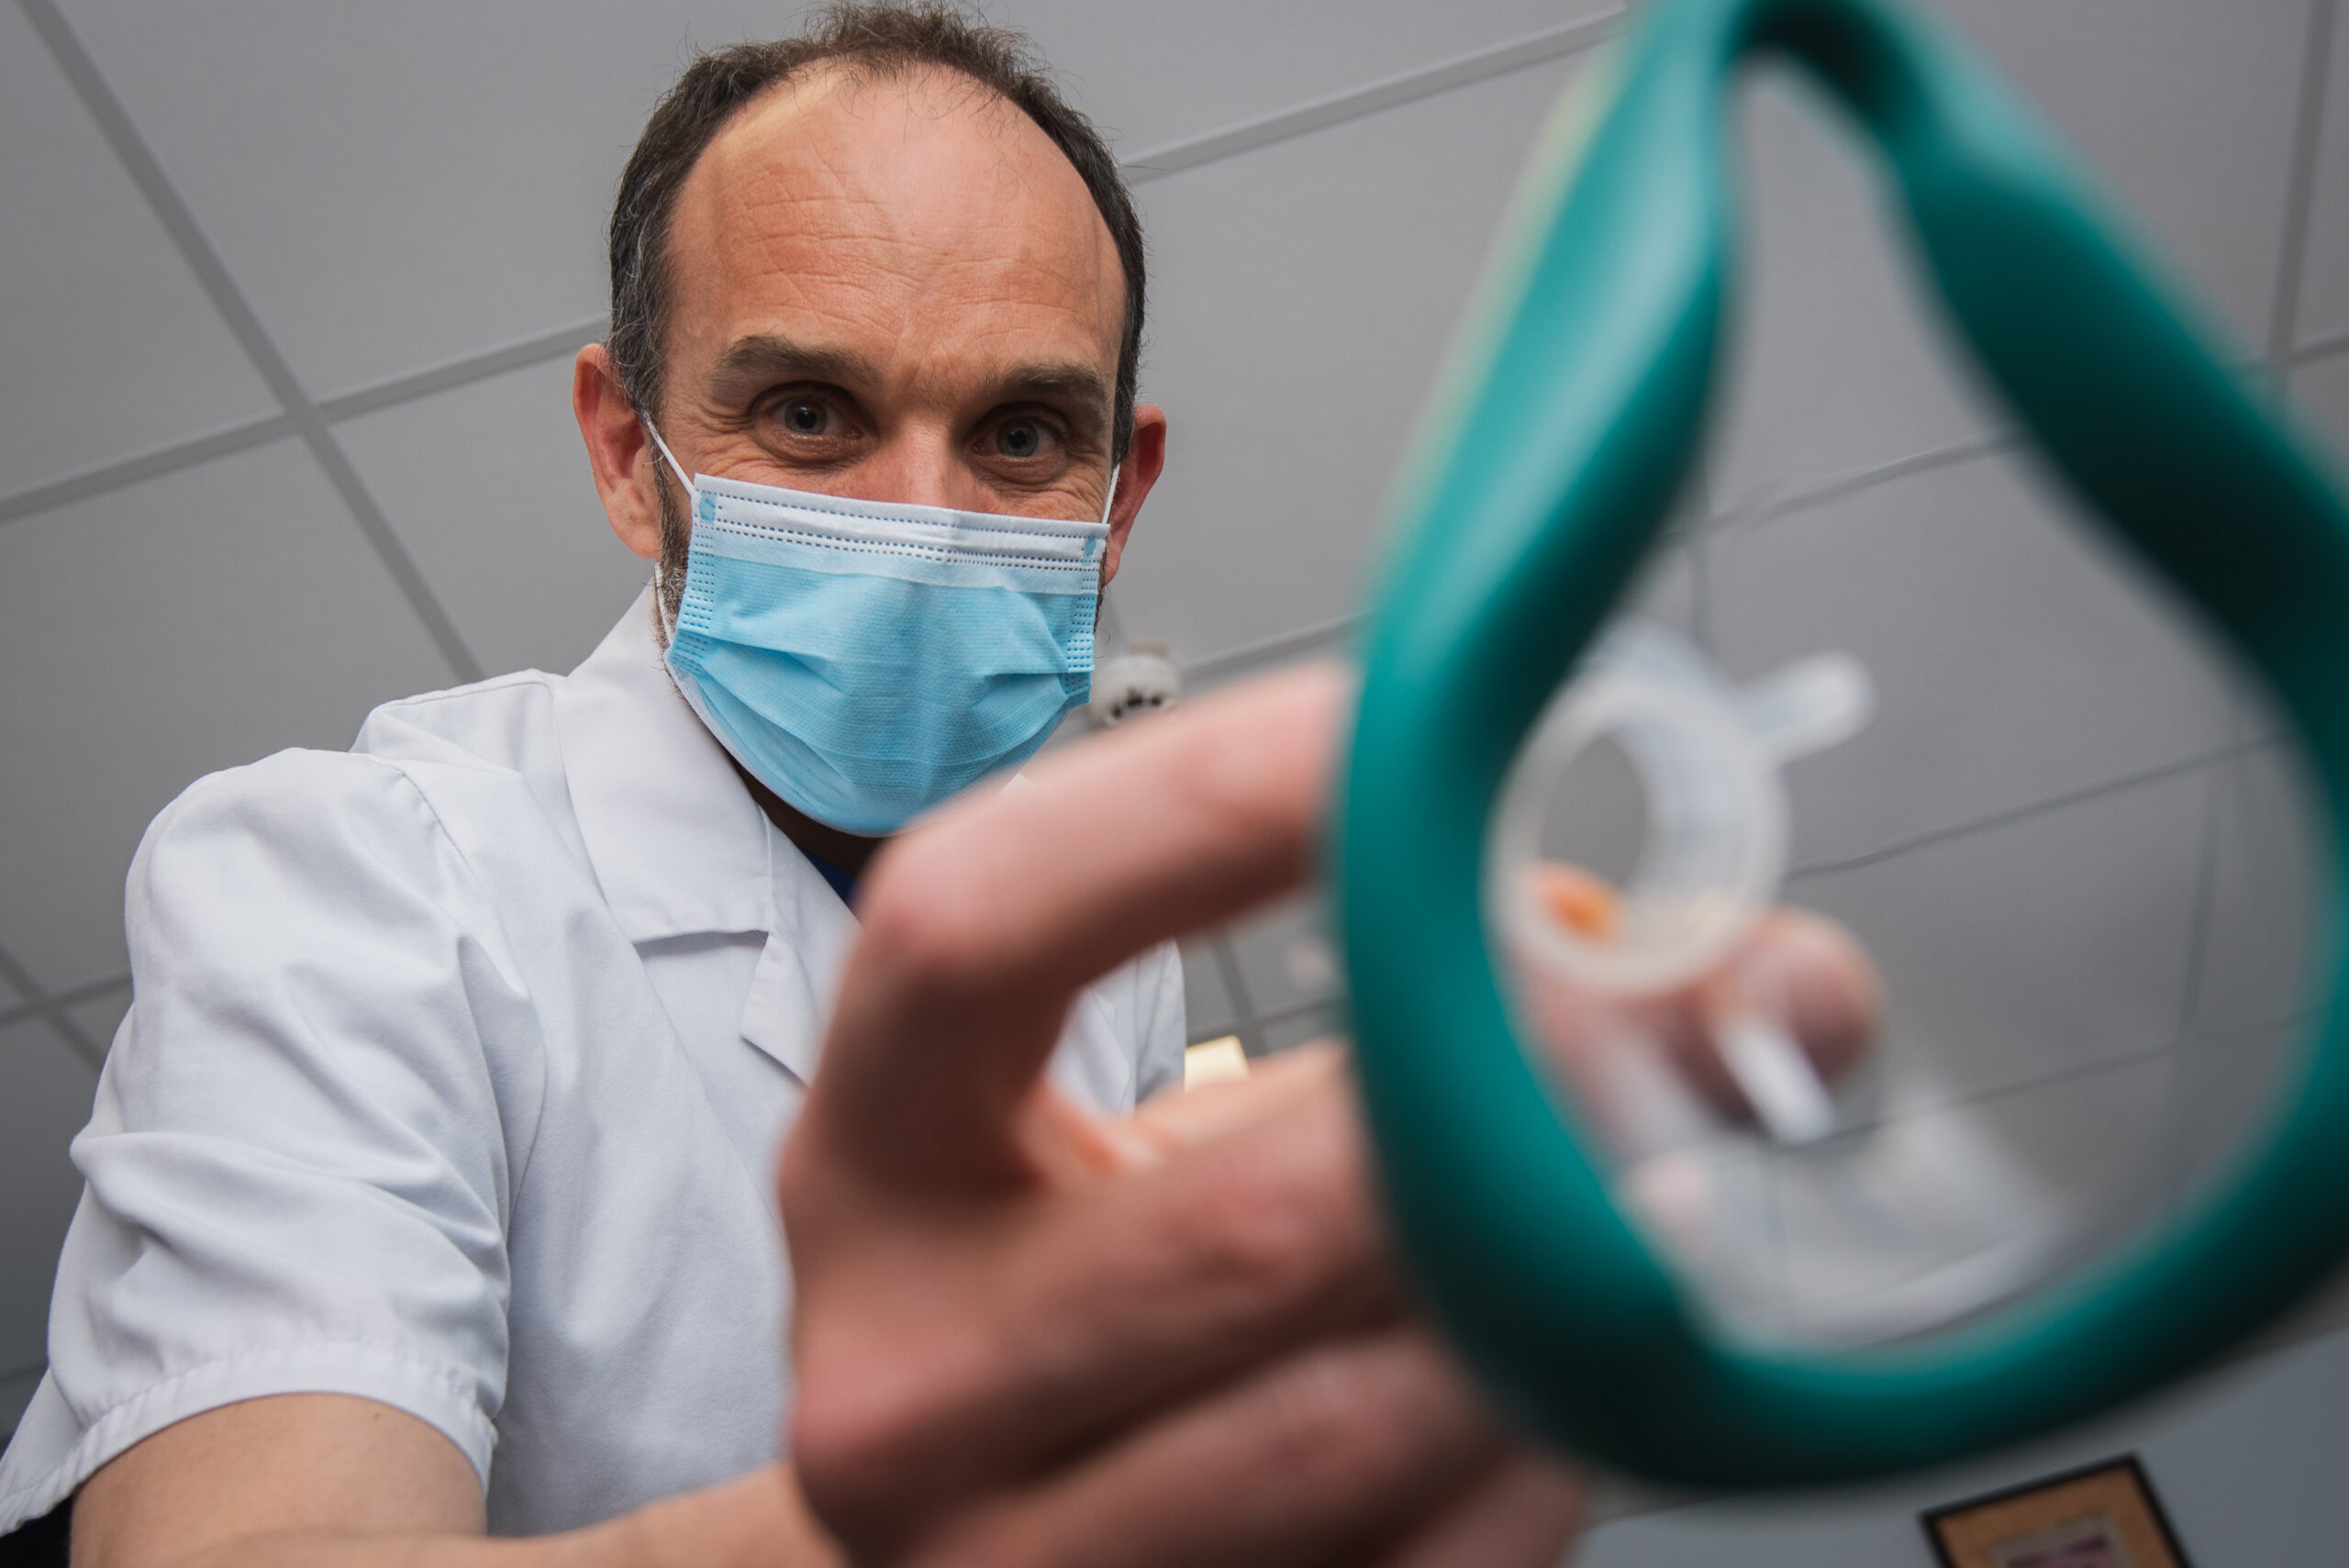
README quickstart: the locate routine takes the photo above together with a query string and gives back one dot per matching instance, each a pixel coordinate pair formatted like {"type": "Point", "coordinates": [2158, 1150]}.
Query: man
{"type": "Point", "coordinates": [428, 1180]}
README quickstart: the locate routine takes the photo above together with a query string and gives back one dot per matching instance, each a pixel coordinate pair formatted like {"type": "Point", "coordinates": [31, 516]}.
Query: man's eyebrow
{"type": "Point", "coordinates": [768, 358]}
{"type": "Point", "coordinates": [765, 358]}
{"type": "Point", "coordinates": [1065, 382]}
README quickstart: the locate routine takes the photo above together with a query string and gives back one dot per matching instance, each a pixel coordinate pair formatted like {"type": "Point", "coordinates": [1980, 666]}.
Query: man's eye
{"type": "Point", "coordinates": [1019, 439]}
{"type": "Point", "coordinates": [806, 417]}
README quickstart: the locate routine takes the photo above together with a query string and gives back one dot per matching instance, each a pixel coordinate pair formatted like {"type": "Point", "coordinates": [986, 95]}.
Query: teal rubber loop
{"type": "Point", "coordinates": [1570, 414]}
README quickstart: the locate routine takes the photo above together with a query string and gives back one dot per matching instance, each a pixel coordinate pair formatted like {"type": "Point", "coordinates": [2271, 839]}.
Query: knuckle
{"type": "Point", "coordinates": [1271, 1228]}
{"type": "Point", "coordinates": [880, 1418]}
{"type": "Point", "coordinates": [1355, 1421]}
{"type": "Point", "coordinates": [1323, 1428]}
{"type": "Point", "coordinates": [856, 1428]}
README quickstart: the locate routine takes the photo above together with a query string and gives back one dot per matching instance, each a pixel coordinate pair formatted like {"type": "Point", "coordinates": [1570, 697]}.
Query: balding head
{"type": "Point", "coordinates": [877, 277]}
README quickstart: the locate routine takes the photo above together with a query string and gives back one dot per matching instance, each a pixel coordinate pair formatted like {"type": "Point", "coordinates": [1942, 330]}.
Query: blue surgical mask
{"type": "Point", "coordinates": [865, 660]}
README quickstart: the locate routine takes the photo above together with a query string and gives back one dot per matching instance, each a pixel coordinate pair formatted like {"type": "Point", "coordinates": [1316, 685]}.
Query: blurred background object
{"type": "Point", "coordinates": [288, 292]}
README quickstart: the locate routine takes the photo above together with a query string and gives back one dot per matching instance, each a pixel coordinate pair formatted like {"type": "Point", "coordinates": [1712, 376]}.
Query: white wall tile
{"type": "Point", "coordinates": [47, 1103]}
{"type": "Point", "coordinates": [100, 1017]}
{"type": "Point", "coordinates": [2271, 888]}
{"type": "Point", "coordinates": [1837, 363]}
{"type": "Point", "coordinates": [488, 486]}
{"type": "Point", "coordinates": [17, 1392]}
{"type": "Point", "coordinates": [156, 634]}
{"type": "Point", "coordinates": [2322, 391]}
{"type": "Point", "coordinates": [1286, 958]}
{"type": "Point", "coordinates": [2054, 943]}
{"type": "Point", "coordinates": [1152, 74]}
{"type": "Point", "coordinates": [2324, 277]}
{"type": "Point", "coordinates": [2095, 1144]}
{"type": "Point", "coordinates": [1303, 294]}
{"type": "Point", "coordinates": [1208, 1007]}
{"type": "Point", "coordinates": [109, 345]}
{"type": "Point", "coordinates": [1293, 1029]}
{"type": "Point", "coordinates": [2183, 110]}
{"type": "Point", "coordinates": [2235, 1085]}
{"type": "Point", "coordinates": [2012, 658]}
{"type": "Point", "coordinates": [398, 185]}
{"type": "Point", "coordinates": [451, 166]}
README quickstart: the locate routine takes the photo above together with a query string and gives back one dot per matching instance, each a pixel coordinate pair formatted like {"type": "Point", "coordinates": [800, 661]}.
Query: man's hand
{"type": "Point", "coordinates": [1026, 1336]}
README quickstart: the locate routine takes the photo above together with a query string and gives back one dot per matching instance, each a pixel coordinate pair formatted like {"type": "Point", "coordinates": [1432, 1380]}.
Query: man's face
{"type": "Point", "coordinates": [895, 290]}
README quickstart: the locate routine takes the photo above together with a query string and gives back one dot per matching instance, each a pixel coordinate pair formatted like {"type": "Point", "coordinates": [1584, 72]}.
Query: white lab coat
{"type": "Point", "coordinates": [453, 1078]}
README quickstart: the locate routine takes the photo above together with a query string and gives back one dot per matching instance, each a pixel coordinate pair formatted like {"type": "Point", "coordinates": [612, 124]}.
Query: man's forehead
{"type": "Point", "coordinates": [845, 191]}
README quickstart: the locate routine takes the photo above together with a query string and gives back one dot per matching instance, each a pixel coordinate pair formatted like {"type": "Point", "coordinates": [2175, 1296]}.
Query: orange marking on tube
{"type": "Point", "coordinates": [1583, 904]}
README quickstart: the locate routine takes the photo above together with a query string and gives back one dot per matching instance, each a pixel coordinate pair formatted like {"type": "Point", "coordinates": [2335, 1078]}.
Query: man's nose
{"type": "Point", "coordinates": [922, 466]}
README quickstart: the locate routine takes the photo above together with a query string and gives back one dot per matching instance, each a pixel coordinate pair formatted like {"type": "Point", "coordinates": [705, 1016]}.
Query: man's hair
{"type": "Point", "coordinates": [883, 40]}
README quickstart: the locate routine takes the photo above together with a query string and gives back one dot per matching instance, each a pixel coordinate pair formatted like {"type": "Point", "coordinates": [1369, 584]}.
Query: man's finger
{"type": "Point", "coordinates": [1192, 1117]}
{"type": "Point", "coordinates": [1070, 1145]}
{"type": "Point", "coordinates": [980, 927]}
{"type": "Point", "coordinates": [991, 1339]}
{"type": "Point", "coordinates": [1322, 1458]}
{"type": "Point", "coordinates": [1520, 1514]}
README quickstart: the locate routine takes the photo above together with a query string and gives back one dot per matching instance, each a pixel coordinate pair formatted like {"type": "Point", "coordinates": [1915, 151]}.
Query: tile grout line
{"type": "Point", "coordinates": [2205, 898]}
{"type": "Point", "coordinates": [2225, 752]}
{"type": "Point", "coordinates": [1235, 986]}
{"type": "Point", "coordinates": [211, 271]}
{"type": "Point", "coordinates": [2317, 349]}
{"type": "Point", "coordinates": [1353, 103]}
{"type": "Point", "coordinates": [464, 370]}
{"type": "Point", "coordinates": [1258, 1022]}
{"type": "Point", "coordinates": [368, 399]}
{"type": "Point", "coordinates": [1843, 486]}
{"type": "Point", "coordinates": [1734, 518]}
{"type": "Point", "coordinates": [2299, 195]}
{"type": "Point", "coordinates": [1189, 153]}
{"type": "Point", "coordinates": [69, 488]}
{"type": "Point", "coordinates": [1253, 656]}
{"type": "Point", "coordinates": [2131, 1056]}
{"type": "Point", "coordinates": [1699, 544]}
{"type": "Point", "coordinates": [411, 385]}
{"type": "Point", "coordinates": [50, 1003]}
{"type": "Point", "coordinates": [39, 1003]}
{"type": "Point", "coordinates": [1388, 93]}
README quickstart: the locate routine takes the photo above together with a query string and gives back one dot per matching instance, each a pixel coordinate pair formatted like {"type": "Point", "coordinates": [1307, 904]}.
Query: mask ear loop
{"type": "Point", "coordinates": [660, 586]}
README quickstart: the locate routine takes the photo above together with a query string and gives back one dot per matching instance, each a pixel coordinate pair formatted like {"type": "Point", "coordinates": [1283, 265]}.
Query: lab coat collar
{"type": "Point", "coordinates": [800, 974]}
{"type": "Point", "coordinates": [678, 846]}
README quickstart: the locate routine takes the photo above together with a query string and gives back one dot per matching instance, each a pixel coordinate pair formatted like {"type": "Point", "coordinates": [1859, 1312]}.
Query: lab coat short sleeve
{"type": "Point", "coordinates": [307, 1138]}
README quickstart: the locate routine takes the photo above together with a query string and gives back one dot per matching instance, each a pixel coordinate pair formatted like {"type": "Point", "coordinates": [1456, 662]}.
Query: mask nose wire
{"type": "Point", "coordinates": [659, 593]}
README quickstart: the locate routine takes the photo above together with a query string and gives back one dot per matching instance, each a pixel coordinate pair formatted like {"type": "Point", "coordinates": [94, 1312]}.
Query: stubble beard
{"type": "Point", "coordinates": [676, 539]}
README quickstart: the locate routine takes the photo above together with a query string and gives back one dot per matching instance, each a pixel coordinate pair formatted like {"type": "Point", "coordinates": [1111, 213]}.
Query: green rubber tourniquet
{"type": "Point", "coordinates": [1570, 412]}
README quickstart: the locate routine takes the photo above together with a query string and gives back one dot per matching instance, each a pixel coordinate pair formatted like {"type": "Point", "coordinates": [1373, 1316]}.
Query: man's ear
{"type": "Point", "coordinates": [1145, 460]}
{"type": "Point", "coordinates": [617, 450]}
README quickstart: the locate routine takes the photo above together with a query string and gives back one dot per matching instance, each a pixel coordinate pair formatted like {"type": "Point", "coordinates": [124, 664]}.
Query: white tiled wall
{"type": "Point", "coordinates": [109, 345]}
{"type": "Point", "coordinates": [398, 212]}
